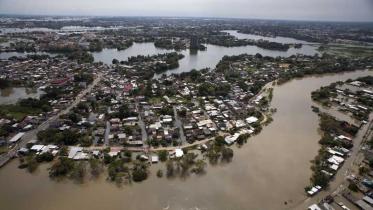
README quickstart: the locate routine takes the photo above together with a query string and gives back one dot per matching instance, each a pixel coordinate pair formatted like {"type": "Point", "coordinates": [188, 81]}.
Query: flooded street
{"type": "Point", "coordinates": [272, 168]}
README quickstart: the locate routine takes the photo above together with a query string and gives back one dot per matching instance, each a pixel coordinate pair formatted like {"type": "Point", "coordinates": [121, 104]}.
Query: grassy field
{"type": "Point", "coordinates": [3, 150]}
{"type": "Point", "coordinates": [155, 100]}
{"type": "Point", "coordinates": [347, 50]}
{"type": "Point", "coordinates": [17, 112]}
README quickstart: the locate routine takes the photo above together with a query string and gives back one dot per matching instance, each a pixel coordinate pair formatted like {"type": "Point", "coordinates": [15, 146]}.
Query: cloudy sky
{"type": "Point", "coordinates": [334, 10]}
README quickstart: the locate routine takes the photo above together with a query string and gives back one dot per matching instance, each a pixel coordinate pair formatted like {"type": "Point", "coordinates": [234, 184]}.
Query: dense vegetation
{"type": "Point", "coordinates": [24, 107]}
{"type": "Point", "coordinates": [66, 137]}
{"type": "Point", "coordinates": [324, 94]}
{"type": "Point", "coordinates": [210, 89]}
{"type": "Point", "coordinates": [169, 44]}
{"type": "Point", "coordinates": [5, 83]}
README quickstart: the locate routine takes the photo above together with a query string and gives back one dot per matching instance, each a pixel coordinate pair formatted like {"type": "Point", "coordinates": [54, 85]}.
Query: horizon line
{"type": "Point", "coordinates": [189, 17]}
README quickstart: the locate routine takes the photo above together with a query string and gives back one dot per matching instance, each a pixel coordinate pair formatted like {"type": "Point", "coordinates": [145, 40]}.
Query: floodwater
{"type": "Point", "coordinates": [13, 94]}
{"type": "Point", "coordinates": [279, 39]}
{"type": "Point", "coordinates": [273, 167]}
{"type": "Point", "coordinates": [196, 60]}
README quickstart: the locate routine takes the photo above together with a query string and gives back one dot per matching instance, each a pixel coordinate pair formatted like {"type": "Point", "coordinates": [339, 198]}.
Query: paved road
{"type": "Point", "coordinates": [30, 135]}
{"type": "Point", "coordinates": [142, 149]}
{"type": "Point", "coordinates": [107, 133]}
{"type": "Point", "coordinates": [141, 123]}
{"type": "Point", "coordinates": [179, 124]}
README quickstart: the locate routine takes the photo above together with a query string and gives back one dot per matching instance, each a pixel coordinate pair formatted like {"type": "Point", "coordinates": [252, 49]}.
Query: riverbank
{"type": "Point", "coordinates": [342, 144]}
{"type": "Point", "coordinates": [350, 167]}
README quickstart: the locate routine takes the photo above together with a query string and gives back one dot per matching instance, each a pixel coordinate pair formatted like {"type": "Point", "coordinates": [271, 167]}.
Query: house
{"type": "Point", "coordinates": [121, 136]}
{"type": "Point", "coordinates": [37, 148]}
{"type": "Point", "coordinates": [74, 153]}
{"type": "Point", "coordinates": [251, 120]}
{"type": "Point", "coordinates": [167, 119]}
{"type": "Point", "coordinates": [96, 153]}
{"type": "Point", "coordinates": [368, 199]}
{"type": "Point", "coordinates": [168, 100]}
{"type": "Point", "coordinates": [144, 157]}
{"type": "Point", "coordinates": [179, 153]}
{"type": "Point", "coordinates": [134, 143]}
{"type": "Point", "coordinates": [114, 120]}
{"type": "Point", "coordinates": [130, 119]}
{"type": "Point", "coordinates": [334, 167]}
{"type": "Point", "coordinates": [314, 190]}
{"type": "Point", "coordinates": [335, 160]}
{"type": "Point", "coordinates": [17, 137]}
{"type": "Point", "coordinates": [81, 156]}
{"type": "Point", "coordinates": [231, 139]}
{"type": "Point", "coordinates": [363, 205]}
{"type": "Point", "coordinates": [23, 151]}
{"type": "Point", "coordinates": [333, 152]}
{"type": "Point", "coordinates": [314, 207]}
{"type": "Point", "coordinates": [113, 153]}
{"type": "Point", "coordinates": [155, 159]}
{"type": "Point", "coordinates": [204, 123]}
{"type": "Point", "coordinates": [27, 127]}
{"type": "Point", "coordinates": [239, 123]}
{"type": "Point", "coordinates": [342, 137]}
{"type": "Point", "coordinates": [356, 83]}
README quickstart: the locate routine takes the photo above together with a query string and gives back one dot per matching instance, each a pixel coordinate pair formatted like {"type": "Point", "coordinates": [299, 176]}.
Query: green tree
{"type": "Point", "coordinates": [163, 155]}
{"type": "Point", "coordinates": [61, 168]}
{"type": "Point", "coordinates": [139, 171]}
{"type": "Point", "coordinates": [227, 154]}
{"type": "Point", "coordinates": [79, 171]}
{"type": "Point", "coordinates": [219, 141]}
{"type": "Point", "coordinates": [159, 173]}
{"type": "Point", "coordinates": [170, 168]}
{"type": "Point", "coordinates": [96, 167]}
{"type": "Point", "coordinates": [242, 139]}
{"type": "Point", "coordinates": [44, 157]}
{"type": "Point", "coordinates": [199, 167]}
{"type": "Point", "coordinates": [32, 164]}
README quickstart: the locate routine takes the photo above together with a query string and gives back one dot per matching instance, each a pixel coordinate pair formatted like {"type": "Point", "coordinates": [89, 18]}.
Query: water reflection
{"type": "Point", "coordinates": [13, 94]}
{"type": "Point", "coordinates": [279, 39]}
{"type": "Point", "coordinates": [196, 60]}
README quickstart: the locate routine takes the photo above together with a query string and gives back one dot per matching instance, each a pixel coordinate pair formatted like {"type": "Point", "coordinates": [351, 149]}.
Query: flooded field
{"type": "Point", "coordinates": [279, 39]}
{"type": "Point", "coordinates": [12, 95]}
{"type": "Point", "coordinates": [271, 169]}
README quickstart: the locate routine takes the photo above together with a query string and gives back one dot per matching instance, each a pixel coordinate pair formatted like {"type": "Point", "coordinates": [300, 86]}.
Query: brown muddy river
{"type": "Point", "coordinates": [270, 169]}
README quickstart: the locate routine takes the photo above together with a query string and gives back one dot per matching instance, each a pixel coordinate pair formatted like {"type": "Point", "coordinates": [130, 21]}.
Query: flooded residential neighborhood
{"type": "Point", "coordinates": [261, 170]}
{"type": "Point", "coordinates": [186, 105]}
